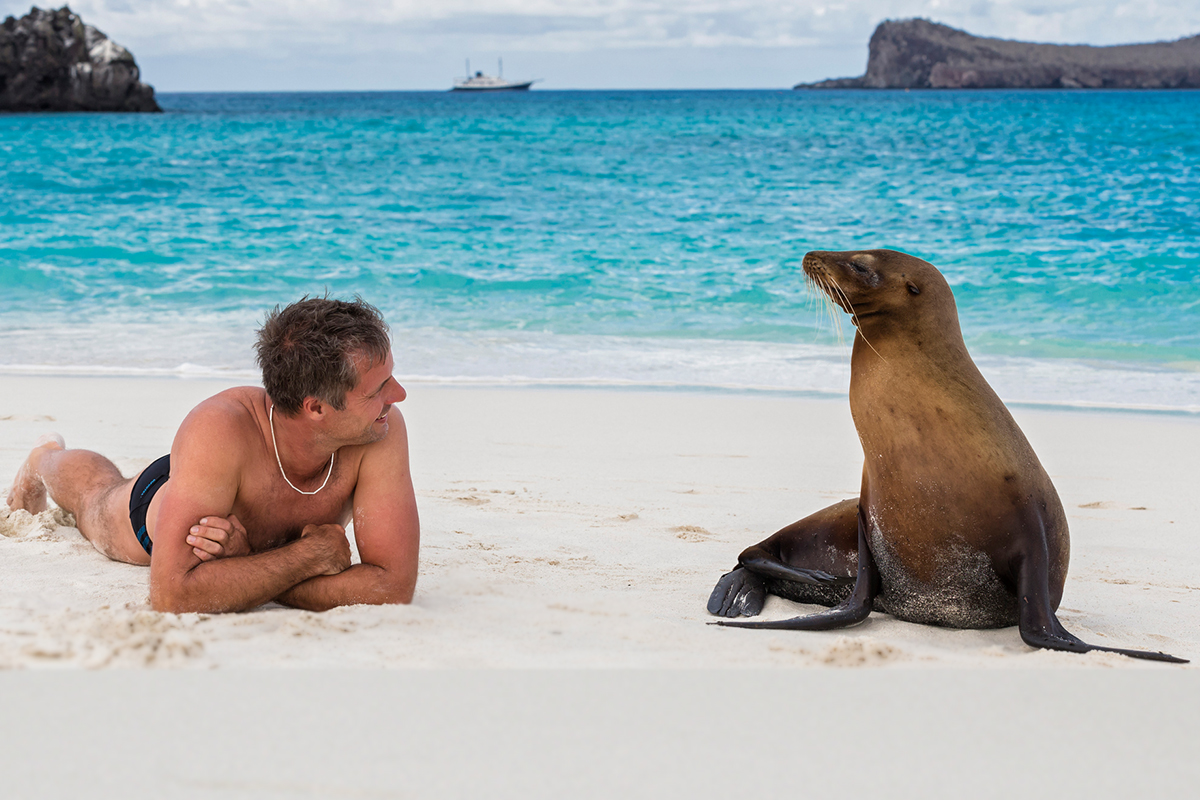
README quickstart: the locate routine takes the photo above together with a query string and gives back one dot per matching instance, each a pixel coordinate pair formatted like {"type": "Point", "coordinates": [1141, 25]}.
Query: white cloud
{"type": "Point", "coordinates": [584, 25]}
{"type": "Point", "coordinates": [345, 30]}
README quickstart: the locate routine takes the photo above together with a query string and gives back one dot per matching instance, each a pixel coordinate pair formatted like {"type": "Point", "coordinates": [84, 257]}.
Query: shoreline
{"type": "Point", "coordinates": [238, 376]}
{"type": "Point", "coordinates": [583, 528]}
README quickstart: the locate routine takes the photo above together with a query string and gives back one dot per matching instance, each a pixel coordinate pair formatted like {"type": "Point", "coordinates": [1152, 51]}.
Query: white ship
{"type": "Point", "coordinates": [489, 83]}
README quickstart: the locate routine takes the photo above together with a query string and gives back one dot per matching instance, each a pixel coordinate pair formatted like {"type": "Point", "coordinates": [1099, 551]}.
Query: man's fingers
{"type": "Point", "coordinates": [206, 544]}
{"type": "Point", "coordinates": [218, 535]}
{"type": "Point", "coordinates": [203, 556]}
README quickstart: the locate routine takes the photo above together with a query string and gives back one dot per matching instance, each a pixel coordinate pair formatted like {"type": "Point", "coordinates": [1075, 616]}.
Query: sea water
{"type": "Point", "coordinates": [612, 238]}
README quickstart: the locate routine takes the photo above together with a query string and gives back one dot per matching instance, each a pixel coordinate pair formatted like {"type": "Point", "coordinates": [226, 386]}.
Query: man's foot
{"type": "Point", "coordinates": [28, 491]}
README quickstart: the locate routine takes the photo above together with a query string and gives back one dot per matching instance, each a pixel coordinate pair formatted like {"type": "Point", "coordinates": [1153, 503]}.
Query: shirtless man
{"type": "Point", "coordinates": [251, 504]}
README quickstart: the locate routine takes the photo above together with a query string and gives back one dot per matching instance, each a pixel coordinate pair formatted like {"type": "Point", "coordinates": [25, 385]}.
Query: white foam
{"type": "Point", "coordinates": [521, 358]}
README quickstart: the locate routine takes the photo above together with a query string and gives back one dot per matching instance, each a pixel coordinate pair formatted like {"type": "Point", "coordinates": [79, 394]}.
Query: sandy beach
{"type": "Point", "coordinates": [557, 643]}
{"type": "Point", "coordinates": [584, 528]}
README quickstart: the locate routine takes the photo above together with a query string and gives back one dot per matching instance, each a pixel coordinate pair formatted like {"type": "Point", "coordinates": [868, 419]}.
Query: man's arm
{"type": "Point", "coordinates": [206, 461]}
{"type": "Point", "coordinates": [386, 529]}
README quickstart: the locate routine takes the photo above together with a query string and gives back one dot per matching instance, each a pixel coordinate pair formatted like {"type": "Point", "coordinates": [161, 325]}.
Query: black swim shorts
{"type": "Point", "coordinates": [150, 481]}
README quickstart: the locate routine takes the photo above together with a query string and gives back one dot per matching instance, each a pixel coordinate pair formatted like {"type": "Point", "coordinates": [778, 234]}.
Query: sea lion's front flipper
{"type": "Point", "coordinates": [851, 611]}
{"type": "Point", "coordinates": [758, 560]}
{"type": "Point", "coordinates": [1041, 628]}
{"type": "Point", "coordinates": [739, 593]}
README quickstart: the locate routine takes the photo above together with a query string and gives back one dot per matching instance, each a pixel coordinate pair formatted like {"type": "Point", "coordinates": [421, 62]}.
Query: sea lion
{"type": "Point", "coordinates": [957, 523]}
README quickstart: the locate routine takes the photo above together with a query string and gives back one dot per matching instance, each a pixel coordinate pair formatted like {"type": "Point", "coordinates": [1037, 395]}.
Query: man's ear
{"type": "Point", "coordinates": [314, 408]}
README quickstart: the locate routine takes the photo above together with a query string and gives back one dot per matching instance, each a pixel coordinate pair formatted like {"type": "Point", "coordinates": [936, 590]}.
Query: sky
{"type": "Point", "coordinates": [327, 45]}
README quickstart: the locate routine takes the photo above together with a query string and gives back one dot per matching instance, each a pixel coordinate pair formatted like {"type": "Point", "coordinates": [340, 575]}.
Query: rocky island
{"type": "Point", "coordinates": [919, 54]}
{"type": "Point", "coordinates": [52, 61]}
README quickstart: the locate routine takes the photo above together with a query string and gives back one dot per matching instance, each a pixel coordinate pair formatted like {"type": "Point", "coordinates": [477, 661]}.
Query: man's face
{"type": "Point", "coordinates": [365, 418]}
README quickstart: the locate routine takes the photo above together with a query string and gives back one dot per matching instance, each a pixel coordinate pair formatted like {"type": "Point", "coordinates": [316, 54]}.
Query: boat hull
{"type": "Point", "coordinates": [512, 87]}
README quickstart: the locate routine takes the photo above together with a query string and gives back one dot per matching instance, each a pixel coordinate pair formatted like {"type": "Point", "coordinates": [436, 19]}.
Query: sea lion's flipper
{"type": "Point", "coordinates": [1041, 628]}
{"type": "Point", "coordinates": [851, 611]}
{"type": "Point", "coordinates": [758, 560]}
{"type": "Point", "coordinates": [739, 593]}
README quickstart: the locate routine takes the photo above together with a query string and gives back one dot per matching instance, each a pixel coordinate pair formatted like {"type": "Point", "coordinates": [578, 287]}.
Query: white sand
{"type": "Point", "coordinates": [585, 528]}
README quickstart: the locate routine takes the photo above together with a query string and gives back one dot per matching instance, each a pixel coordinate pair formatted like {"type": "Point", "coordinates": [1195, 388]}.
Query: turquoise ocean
{"type": "Point", "coordinates": [612, 238]}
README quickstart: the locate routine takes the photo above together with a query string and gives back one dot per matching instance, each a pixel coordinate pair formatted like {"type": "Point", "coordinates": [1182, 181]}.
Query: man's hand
{"type": "Point", "coordinates": [334, 547]}
{"type": "Point", "coordinates": [218, 537]}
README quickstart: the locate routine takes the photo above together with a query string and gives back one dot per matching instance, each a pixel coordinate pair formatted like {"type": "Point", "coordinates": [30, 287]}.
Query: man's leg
{"type": "Point", "coordinates": [89, 486]}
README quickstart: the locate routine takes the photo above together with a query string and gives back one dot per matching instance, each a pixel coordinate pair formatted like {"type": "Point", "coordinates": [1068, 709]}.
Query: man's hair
{"type": "Point", "coordinates": [312, 349]}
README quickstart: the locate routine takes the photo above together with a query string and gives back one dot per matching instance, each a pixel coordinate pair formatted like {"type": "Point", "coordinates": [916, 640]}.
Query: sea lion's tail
{"type": "Point", "coordinates": [1041, 628]}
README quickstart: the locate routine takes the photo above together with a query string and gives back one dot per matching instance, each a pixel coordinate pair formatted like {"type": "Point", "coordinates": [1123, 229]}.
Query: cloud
{"type": "Point", "coordinates": [828, 37]}
{"type": "Point", "coordinates": [543, 25]}
{"type": "Point", "coordinates": [587, 25]}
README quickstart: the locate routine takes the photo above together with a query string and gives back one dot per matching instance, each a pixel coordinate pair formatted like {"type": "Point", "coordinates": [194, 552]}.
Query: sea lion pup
{"type": "Point", "coordinates": [957, 523]}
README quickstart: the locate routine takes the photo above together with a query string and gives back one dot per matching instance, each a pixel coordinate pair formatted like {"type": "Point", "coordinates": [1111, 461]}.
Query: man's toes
{"type": "Point", "coordinates": [28, 492]}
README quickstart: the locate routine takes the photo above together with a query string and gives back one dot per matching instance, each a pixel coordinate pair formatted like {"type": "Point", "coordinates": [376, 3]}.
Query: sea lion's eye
{"type": "Point", "coordinates": [912, 288]}
{"type": "Point", "coordinates": [859, 268]}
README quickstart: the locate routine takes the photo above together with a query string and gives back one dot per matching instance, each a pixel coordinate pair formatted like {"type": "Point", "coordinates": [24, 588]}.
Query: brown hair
{"type": "Point", "coordinates": [312, 348]}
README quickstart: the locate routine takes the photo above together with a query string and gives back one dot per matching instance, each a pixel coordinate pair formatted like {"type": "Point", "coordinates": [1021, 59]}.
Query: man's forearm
{"type": "Point", "coordinates": [362, 583]}
{"type": "Point", "coordinates": [238, 584]}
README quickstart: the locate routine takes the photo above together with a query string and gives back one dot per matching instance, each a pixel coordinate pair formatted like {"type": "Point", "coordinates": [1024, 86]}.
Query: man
{"type": "Point", "coordinates": [251, 504]}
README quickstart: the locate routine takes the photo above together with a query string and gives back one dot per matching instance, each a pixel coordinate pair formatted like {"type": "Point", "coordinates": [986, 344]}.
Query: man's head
{"type": "Point", "coordinates": [316, 348]}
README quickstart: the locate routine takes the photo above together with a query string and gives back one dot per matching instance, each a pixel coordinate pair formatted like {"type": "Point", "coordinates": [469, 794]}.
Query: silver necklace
{"type": "Point", "coordinates": [271, 419]}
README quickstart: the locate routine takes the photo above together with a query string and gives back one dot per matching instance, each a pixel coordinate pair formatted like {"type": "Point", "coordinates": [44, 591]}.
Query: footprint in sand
{"type": "Point", "coordinates": [691, 533]}
{"type": "Point", "coordinates": [849, 652]}
{"type": "Point", "coordinates": [108, 637]}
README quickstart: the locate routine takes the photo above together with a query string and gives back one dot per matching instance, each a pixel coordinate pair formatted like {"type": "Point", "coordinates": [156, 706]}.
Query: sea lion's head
{"type": "Point", "coordinates": [877, 284]}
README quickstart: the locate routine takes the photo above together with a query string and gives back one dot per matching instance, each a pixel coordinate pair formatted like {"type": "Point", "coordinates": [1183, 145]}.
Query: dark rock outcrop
{"type": "Point", "coordinates": [919, 54]}
{"type": "Point", "coordinates": [51, 61]}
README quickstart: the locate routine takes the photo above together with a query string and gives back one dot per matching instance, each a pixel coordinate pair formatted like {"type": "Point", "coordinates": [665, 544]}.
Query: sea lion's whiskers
{"type": "Point", "coordinates": [814, 295]}
{"type": "Point", "coordinates": [834, 311]}
{"type": "Point", "coordinates": [823, 292]}
{"type": "Point", "coordinates": [857, 321]}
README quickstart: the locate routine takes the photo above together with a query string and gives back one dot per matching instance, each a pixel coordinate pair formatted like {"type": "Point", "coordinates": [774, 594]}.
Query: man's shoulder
{"type": "Point", "coordinates": [231, 413]}
{"type": "Point", "coordinates": [392, 447]}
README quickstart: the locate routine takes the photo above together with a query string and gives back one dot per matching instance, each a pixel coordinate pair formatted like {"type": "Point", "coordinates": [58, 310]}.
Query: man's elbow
{"type": "Point", "coordinates": [168, 602]}
{"type": "Point", "coordinates": [173, 597]}
{"type": "Point", "coordinates": [173, 603]}
{"type": "Point", "coordinates": [391, 589]}
{"type": "Point", "coordinates": [398, 596]}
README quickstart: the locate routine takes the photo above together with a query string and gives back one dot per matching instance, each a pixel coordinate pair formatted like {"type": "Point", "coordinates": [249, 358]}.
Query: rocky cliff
{"type": "Point", "coordinates": [918, 54]}
{"type": "Point", "coordinates": [51, 61]}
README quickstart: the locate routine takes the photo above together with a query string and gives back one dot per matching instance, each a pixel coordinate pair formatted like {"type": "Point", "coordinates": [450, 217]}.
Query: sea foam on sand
{"type": "Point", "coordinates": [585, 528]}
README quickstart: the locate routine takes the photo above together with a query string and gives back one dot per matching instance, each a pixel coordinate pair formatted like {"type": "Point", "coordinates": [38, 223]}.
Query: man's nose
{"type": "Point", "coordinates": [398, 394]}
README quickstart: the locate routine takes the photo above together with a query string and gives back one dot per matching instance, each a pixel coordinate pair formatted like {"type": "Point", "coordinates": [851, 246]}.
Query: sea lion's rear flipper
{"type": "Point", "coordinates": [739, 593]}
{"type": "Point", "coordinates": [851, 611]}
{"type": "Point", "coordinates": [1041, 628]}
